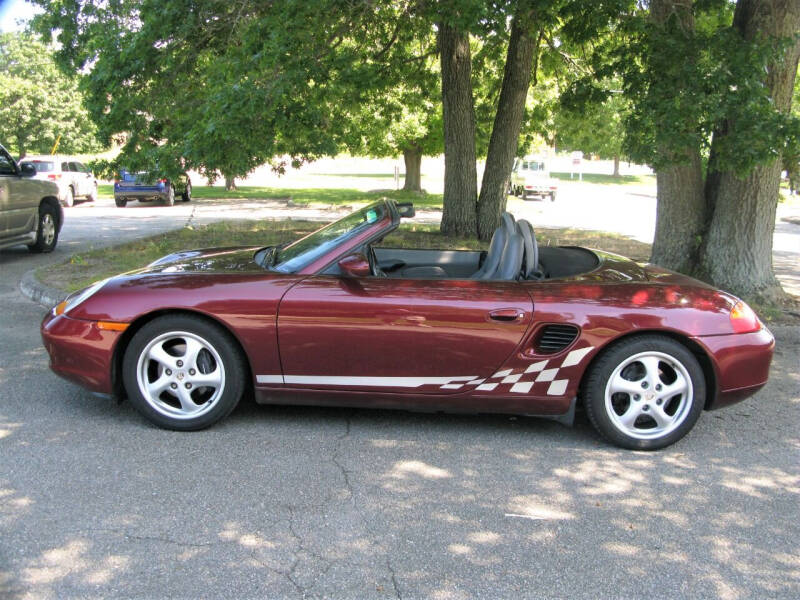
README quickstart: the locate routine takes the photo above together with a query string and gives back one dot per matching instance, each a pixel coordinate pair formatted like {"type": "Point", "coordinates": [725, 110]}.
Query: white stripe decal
{"type": "Point", "coordinates": [522, 388]}
{"type": "Point", "coordinates": [536, 367]}
{"type": "Point", "coordinates": [547, 375]}
{"type": "Point", "coordinates": [558, 387]}
{"type": "Point", "coordinates": [503, 373]}
{"type": "Point", "coordinates": [401, 382]}
{"type": "Point", "coordinates": [269, 378]}
{"type": "Point", "coordinates": [576, 356]}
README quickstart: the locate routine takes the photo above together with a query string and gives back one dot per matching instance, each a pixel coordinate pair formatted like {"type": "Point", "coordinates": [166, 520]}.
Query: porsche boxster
{"type": "Point", "coordinates": [340, 317]}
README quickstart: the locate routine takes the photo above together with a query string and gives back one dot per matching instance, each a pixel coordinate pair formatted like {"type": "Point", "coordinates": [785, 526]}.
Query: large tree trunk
{"type": "Point", "coordinates": [507, 124]}
{"type": "Point", "coordinates": [680, 214]}
{"type": "Point", "coordinates": [460, 174]}
{"type": "Point", "coordinates": [616, 165]}
{"type": "Point", "coordinates": [230, 183]}
{"type": "Point", "coordinates": [737, 254]}
{"type": "Point", "coordinates": [413, 160]}
{"type": "Point", "coordinates": [680, 201]}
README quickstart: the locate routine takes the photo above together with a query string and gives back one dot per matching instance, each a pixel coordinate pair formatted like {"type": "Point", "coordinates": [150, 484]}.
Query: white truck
{"type": "Point", "coordinates": [530, 177]}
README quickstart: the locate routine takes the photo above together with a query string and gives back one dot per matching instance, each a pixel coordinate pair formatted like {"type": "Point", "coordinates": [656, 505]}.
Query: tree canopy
{"type": "Point", "coordinates": [38, 103]}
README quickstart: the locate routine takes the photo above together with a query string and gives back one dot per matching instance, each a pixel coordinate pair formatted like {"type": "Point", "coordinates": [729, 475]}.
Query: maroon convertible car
{"type": "Point", "coordinates": [335, 318]}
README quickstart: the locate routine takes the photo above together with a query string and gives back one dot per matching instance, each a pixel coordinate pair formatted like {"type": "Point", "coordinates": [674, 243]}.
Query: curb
{"type": "Point", "coordinates": [40, 293]}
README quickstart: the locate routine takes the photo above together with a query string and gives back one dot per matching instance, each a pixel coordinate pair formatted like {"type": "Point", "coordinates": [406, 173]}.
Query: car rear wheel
{"type": "Point", "coordinates": [183, 373]}
{"type": "Point", "coordinates": [645, 393]}
{"type": "Point", "coordinates": [121, 202]}
{"type": "Point", "coordinates": [170, 199]}
{"type": "Point", "coordinates": [69, 200]}
{"type": "Point", "coordinates": [47, 230]}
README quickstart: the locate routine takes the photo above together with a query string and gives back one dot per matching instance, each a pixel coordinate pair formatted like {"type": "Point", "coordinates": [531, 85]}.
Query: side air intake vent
{"type": "Point", "coordinates": [554, 338]}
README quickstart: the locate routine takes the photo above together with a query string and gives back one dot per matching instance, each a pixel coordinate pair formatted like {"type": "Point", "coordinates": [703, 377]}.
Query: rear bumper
{"type": "Point", "coordinates": [79, 351]}
{"type": "Point", "coordinates": [140, 194]}
{"type": "Point", "coordinates": [741, 364]}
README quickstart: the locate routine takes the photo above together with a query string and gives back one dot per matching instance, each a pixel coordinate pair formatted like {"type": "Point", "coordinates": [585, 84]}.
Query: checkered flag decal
{"type": "Point", "coordinates": [521, 381]}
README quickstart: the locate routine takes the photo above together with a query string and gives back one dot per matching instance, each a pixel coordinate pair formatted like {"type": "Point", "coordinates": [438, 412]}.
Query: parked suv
{"type": "Point", "coordinates": [137, 186]}
{"type": "Point", "coordinates": [74, 179]}
{"type": "Point", "coordinates": [530, 177]}
{"type": "Point", "coordinates": [29, 209]}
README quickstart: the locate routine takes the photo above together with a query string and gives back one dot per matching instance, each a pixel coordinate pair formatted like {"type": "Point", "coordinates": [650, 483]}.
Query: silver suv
{"type": "Point", "coordinates": [74, 179]}
{"type": "Point", "coordinates": [29, 209]}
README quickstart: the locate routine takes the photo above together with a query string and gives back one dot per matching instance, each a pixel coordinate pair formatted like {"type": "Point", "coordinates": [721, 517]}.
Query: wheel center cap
{"type": "Point", "coordinates": [180, 375]}
{"type": "Point", "coordinates": [649, 395]}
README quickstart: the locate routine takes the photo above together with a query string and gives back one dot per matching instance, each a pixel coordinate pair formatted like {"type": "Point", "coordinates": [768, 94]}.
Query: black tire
{"type": "Point", "coordinates": [646, 409]}
{"type": "Point", "coordinates": [121, 202]}
{"type": "Point", "coordinates": [222, 359]}
{"type": "Point", "coordinates": [170, 199]}
{"type": "Point", "coordinates": [70, 199]}
{"type": "Point", "coordinates": [187, 193]}
{"type": "Point", "coordinates": [46, 230]}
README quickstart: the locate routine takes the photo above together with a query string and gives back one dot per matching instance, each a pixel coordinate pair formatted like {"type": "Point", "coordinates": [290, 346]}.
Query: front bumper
{"type": "Point", "coordinates": [741, 364]}
{"type": "Point", "coordinates": [80, 351]}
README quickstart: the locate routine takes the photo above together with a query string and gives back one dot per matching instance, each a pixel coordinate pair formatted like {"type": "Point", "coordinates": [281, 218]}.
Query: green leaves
{"type": "Point", "coordinates": [38, 104]}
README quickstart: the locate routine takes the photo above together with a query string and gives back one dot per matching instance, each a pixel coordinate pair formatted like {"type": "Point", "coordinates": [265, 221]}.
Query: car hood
{"type": "Point", "coordinates": [232, 259]}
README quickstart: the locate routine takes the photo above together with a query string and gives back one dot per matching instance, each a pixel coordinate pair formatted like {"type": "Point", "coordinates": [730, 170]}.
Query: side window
{"type": "Point", "coordinates": [65, 167]}
{"type": "Point", "coordinates": [7, 166]}
{"type": "Point", "coordinates": [74, 167]}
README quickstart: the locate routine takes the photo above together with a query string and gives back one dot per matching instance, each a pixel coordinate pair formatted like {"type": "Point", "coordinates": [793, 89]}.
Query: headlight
{"type": "Point", "coordinates": [78, 297]}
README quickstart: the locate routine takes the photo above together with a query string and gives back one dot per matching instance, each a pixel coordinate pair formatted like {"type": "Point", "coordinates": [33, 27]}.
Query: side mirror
{"type": "Point", "coordinates": [27, 170]}
{"type": "Point", "coordinates": [355, 265]}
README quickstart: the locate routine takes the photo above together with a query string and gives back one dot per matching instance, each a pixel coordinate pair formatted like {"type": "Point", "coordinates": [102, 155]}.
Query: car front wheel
{"type": "Point", "coordinates": [645, 393]}
{"type": "Point", "coordinates": [121, 202]}
{"type": "Point", "coordinates": [47, 230]}
{"type": "Point", "coordinates": [183, 373]}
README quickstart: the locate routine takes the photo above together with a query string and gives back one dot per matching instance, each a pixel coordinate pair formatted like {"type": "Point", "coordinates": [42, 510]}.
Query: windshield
{"type": "Point", "coordinates": [41, 166]}
{"type": "Point", "coordinates": [306, 250]}
{"type": "Point", "coordinates": [533, 165]}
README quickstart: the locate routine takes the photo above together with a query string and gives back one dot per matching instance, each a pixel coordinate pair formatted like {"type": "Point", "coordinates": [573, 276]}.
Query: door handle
{"type": "Point", "coordinates": [507, 315]}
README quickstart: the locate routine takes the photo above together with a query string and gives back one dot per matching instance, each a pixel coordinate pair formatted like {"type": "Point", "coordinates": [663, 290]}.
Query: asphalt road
{"type": "Point", "coordinates": [307, 502]}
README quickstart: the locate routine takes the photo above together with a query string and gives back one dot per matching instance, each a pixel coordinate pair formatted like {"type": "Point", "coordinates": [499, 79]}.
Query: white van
{"type": "Point", "coordinates": [530, 177]}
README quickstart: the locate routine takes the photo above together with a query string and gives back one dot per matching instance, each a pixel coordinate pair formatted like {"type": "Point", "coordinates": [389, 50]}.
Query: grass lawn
{"type": "Point", "coordinates": [601, 178]}
{"type": "Point", "coordinates": [305, 196]}
{"type": "Point", "coordinates": [84, 268]}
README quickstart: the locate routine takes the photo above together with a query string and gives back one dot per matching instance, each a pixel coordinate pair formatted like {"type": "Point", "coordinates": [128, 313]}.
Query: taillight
{"type": "Point", "coordinates": [162, 181]}
{"type": "Point", "coordinates": [54, 176]}
{"type": "Point", "coordinates": [743, 319]}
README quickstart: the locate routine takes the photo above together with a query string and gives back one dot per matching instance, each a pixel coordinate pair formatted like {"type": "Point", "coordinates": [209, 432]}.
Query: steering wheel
{"type": "Point", "coordinates": [373, 263]}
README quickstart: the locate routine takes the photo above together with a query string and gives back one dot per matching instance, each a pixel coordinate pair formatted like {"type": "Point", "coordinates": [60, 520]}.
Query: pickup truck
{"type": "Point", "coordinates": [30, 212]}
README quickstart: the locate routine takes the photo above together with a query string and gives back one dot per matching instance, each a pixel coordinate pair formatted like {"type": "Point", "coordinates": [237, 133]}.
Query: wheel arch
{"type": "Point", "coordinates": [696, 349]}
{"type": "Point", "coordinates": [127, 335]}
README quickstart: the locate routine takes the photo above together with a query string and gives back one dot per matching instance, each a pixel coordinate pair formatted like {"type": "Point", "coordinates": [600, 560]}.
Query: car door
{"type": "Point", "coordinates": [395, 335]}
{"type": "Point", "coordinates": [77, 178]}
{"type": "Point", "coordinates": [19, 200]}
